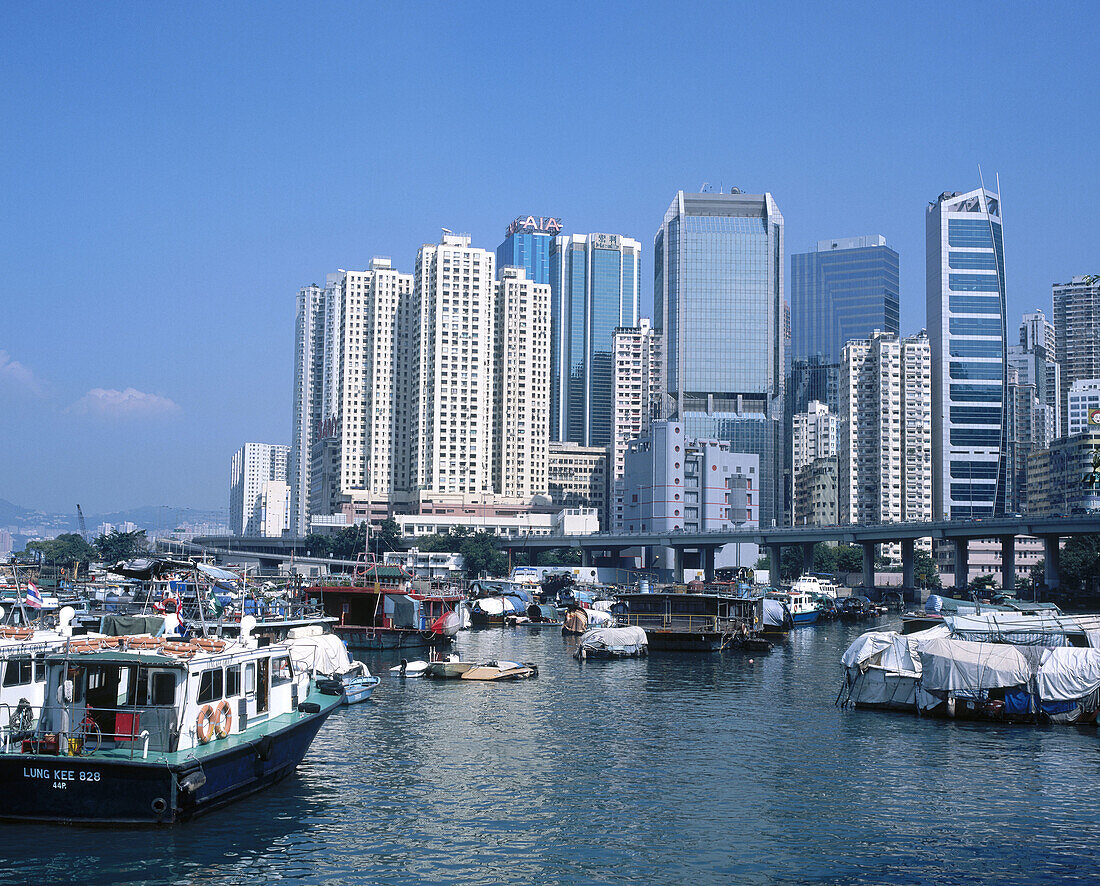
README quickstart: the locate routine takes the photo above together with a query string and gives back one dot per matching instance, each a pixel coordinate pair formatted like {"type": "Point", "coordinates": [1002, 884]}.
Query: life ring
{"type": "Point", "coordinates": [10, 633]}
{"type": "Point", "coordinates": [207, 644]}
{"type": "Point", "coordinates": [161, 605]}
{"type": "Point", "coordinates": [143, 642]}
{"type": "Point", "coordinates": [85, 646]}
{"type": "Point", "coordinates": [183, 649]}
{"type": "Point", "coordinates": [204, 724]}
{"type": "Point", "coordinates": [110, 642]}
{"type": "Point", "coordinates": [223, 719]}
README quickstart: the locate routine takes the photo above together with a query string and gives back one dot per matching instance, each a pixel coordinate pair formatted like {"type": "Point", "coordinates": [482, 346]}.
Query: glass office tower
{"type": "Point", "coordinates": [718, 300]}
{"type": "Point", "coordinates": [527, 245]}
{"type": "Point", "coordinates": [594, 281]}
{"type": "Point", "coordinates": [843, 292]}
{"type": "Point", "coordinates": [966, 315]}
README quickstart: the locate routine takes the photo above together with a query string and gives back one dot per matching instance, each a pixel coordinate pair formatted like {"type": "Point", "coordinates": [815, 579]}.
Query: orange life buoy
{"type": "Point", "coordinates": [223, 719]}
{"type": "Point", "coordinates": [206, 644]}
{"type": "Point", "coordinates": [85, 646]}
{"type": "Point", "coordinates": [143, 642]}
{"type": "Point", "coordinates": [16, 633]}
{"type": "Point", "coordinates": [185, 649]}
{"type": "Point", "coordinates": [204, 724]}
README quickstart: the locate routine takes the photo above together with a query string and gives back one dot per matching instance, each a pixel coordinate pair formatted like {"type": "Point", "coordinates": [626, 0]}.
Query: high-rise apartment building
{"type": "Point", "coordinates": [717, 301]}
{"type": "Point", "coordinates": [578, 477]}
{"type": "Point", "coordinates": [360, 452]}
{"type": "Point", "coordinates": [453, 291]}
{"type": "Point", "coordinates": [884, 432]}
{"type": "Point", "coordinates": [844, 291]}
{"type": "Point", "coordinates": [638, 398]}
{"type": "Point", "coordinates": [521, 413]}
{"type": "Point", "coordinates": [1077, 332]}
{"type": "Point", "coordinates": [594, 279]}
{"type": "Point", "coordinates": [526, 245]}
{"type": "Point", "coordinates": [1034, 364]}
{"type": "Point", "coordinates": [253, 466]}
{"type": "Point", "coordinates": [309, 330]}
{"type": "Point", "coordinates": [1084, 406]}
{"type": "Point", "coordinates": [966, 313]}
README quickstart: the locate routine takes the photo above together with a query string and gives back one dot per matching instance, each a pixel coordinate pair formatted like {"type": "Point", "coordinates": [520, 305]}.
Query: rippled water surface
{"type": "Point", "coordinates": [672, 769]}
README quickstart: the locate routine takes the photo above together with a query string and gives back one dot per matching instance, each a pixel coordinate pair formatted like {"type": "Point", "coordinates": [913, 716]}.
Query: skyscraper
{"type": "Point", "coordinates": [844, 291]}
{"type": "Point", "coordinates": [966, 313]}
{"type": "Point", "coordinates": [257, 484]}
{"type": "Point", "coordinates": [717, 300]}
{"type": "Point", "coordinates": [638, 395]}
{"type": "Point", "coordinates": [1077, 332]}
{"type": "Point", "coordinates": [453, 365]}
{"type": "Point", "coordinates": [594, 284]}
{"type": "Point", "coordinates": [1033, 360]}
{"type": "Point", "coordinates": [884, 433]}
{"type": "Point", "coordinates": [309, 332]}
{"type": "Point", "coordinates": [521, 387]}
{"type": "Point", "coordinates": [527, 244]}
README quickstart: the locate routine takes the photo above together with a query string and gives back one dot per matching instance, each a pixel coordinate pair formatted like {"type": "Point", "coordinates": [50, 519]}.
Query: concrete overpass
{"type": "Point", "coordinates": [1050, 529]}
{"type": "Point", "coordinates": [272, 551]}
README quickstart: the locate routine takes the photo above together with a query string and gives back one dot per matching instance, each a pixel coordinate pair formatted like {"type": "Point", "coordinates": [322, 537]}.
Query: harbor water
{"type": "Point", "coordinates": [677, 768]}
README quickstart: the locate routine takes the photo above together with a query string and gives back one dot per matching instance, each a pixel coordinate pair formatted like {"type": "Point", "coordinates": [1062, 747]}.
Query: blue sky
{"type": "Point", "coordinates": [172, 173]}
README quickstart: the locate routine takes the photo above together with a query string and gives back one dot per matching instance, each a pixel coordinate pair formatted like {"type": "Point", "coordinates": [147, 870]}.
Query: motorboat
{"type": "Point", "coordinates": [135, 729]}
{"type": "Point", "coordinates": [325, 657]}
{"type": "Point", "coordinates": [802, 607]}
{"type": "Point", "coordinates": [492, 671]}
{"type": "Point", "coordinates": [815, 586]}
{"type": "Point", "coordinates": [612, 643]}
{"type": "Point", "coordinates": [410, 668]}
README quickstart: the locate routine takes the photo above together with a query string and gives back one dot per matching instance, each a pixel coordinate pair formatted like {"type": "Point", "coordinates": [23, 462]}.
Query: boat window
{"type": "Point", "coordinates": [250, 678]}
{"type": "Point", "coordinates": [17, 672]}
{"type": "Point", "coordinates": [233, 681]}
{"type": "Point", "coordinates": [280, 670]}
{"type": "Point", "coordinates": [97, 677]}
{"type": "Point", "coordinates": [210, 685]}
{"type": "Point", "coordinates": [40, 666]}
{"type": "Point", "coordinates": [164, 688]}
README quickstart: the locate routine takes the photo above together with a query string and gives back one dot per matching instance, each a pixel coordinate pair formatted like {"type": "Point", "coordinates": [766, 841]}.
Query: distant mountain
{"type": "Point", "coordinates": [150, 517]}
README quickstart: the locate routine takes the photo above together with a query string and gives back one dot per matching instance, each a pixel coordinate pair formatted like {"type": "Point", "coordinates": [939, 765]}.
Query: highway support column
{"type": "Point", "coordinates": [1008, 564]}
{"type": "Point", "coordinates": [962, 563]}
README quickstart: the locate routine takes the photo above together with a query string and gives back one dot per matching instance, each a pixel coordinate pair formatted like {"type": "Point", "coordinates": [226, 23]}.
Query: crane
{"type": "Point", "coordinates": [83, 525]}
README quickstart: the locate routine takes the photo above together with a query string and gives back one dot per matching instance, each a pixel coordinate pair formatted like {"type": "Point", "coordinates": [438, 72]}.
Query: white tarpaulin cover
{"type": "Point", "coordinates": [891, 650]}
{"type": "Point", "coordinates": [491, 605]}
{"type": "Point", "coordinates": [964, 666]}
{"type": "Point", "coordinates": [323, 654]}
{"type": "Point", "coordinates": [618, 641]}
{"type": "Point", "coordinates": [599, 617]}
{"type": "Point", "coordinates": [1068, 673]}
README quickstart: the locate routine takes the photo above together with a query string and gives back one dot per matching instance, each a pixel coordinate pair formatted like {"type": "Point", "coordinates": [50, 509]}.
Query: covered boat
{"type": "Point", "coordinates": [612, 643]}
{"type": "Point", "coordinates": [325, 657]}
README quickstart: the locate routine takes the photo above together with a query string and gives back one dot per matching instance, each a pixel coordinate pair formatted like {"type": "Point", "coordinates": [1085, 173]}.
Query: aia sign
{"type": "Point", "coordinates": [533, 223]}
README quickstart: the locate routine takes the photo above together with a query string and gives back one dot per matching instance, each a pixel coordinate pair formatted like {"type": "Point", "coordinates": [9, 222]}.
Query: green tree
{"type": "Point", "coordinates": [63, 550]}
{"type": "Point", "coordinates": [116, 546]}
{"type": "Point", "coordinates": [387, 537]}
{"type": "Point", "coordinates": [481, 556]}
{"type": "Point", "coordinates": [560, 557]}
{"type": "Point", "coordinates": [316, 545]}
{"type": "Point", "coordinates": [925, 573]}
{"type": "Point", "coordinates": [1079, 563]}
{"type": "Point", "coordinates": [849, 558]}
{"type": "Point", "coordinates": [981, 585]}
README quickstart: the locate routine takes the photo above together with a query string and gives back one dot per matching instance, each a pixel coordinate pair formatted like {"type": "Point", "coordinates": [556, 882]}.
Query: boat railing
{"type": "Point", "coordinates": [78, 729]}
{"type": "Point", "coordinates": [661, 621]}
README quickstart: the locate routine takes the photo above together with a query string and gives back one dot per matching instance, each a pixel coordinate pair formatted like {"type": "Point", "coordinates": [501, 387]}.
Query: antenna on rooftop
{"type": "Point", "coordinates": [447, 231]}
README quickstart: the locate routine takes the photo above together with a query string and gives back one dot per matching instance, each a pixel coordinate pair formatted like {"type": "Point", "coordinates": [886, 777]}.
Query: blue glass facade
{"type": "Point", "coordinates": [529, 250]}
{"type": "Point", "coordinates": [718, 283]}
{"type": "Point", "coordinates": [594, 289]}
{"type": "Point", "coordinates": [966, 325]}
{"type": "Point", "coordinates": [842, 292]}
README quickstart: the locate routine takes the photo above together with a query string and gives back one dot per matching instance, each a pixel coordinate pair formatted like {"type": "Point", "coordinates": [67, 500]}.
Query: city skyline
{"type": "Point", "coordinates": [167, 219]}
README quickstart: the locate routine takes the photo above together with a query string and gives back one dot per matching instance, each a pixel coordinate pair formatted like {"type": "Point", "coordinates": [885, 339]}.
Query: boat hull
{"type": "Point", "coordinates": [684, 641]}
{"type": "Point", "coordinates": [359, 689]}
{"type": "Point", "coordinates": [804, 618]}
{"type": "Point", "coordinates": [367, 639]}
{"type": "Point", "coordinates": [100, 790]}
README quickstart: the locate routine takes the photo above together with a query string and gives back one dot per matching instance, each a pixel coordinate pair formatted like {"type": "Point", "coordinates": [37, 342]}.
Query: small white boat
{"type": "Point", "coordinates": [324, 656]}
{"type": "Point", "coordinates": [501, 670]}
{"type": "Point", "coordinates": [410, 668]}
{"type": "Point", "coordinates": [612, 643]}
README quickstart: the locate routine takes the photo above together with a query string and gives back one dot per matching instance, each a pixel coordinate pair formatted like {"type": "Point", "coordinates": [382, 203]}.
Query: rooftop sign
{"type": "Point", "coordinates": [534, 224]}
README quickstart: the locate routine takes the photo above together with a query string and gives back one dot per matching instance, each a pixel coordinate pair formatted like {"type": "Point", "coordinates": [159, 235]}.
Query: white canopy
{"type": "Point", "coordinates": [623, 641]}
{"type": "Point", "coordinates": [891, 650]}
{"type": "Point", "coordinates": [323, 654]}
{"type": "Point", "coordinates": [1067, 673]}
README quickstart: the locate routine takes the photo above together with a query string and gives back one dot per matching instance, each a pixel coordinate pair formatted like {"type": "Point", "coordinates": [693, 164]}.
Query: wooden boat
{"type": "Point", "coordinates": [135, 730]}
{"type": "Point", "coordinates": [491, 671]}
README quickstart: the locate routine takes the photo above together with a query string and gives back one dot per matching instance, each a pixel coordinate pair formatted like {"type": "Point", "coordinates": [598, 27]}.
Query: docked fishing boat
{"type": "Point", "coordinates": [136, 730]}
{"type": "Point", "coordinates": [699, 622]}
{"type": "Point", "coordinates": [802, 607]}
{"type": "Point", "coordinates": [389, 610]}
{"type": "Point", "coordinates": [815, 586]}
{"type": "Point", "coordinates": [626, 642]}
{"type": "Point", "coordinates": [325, 658]}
